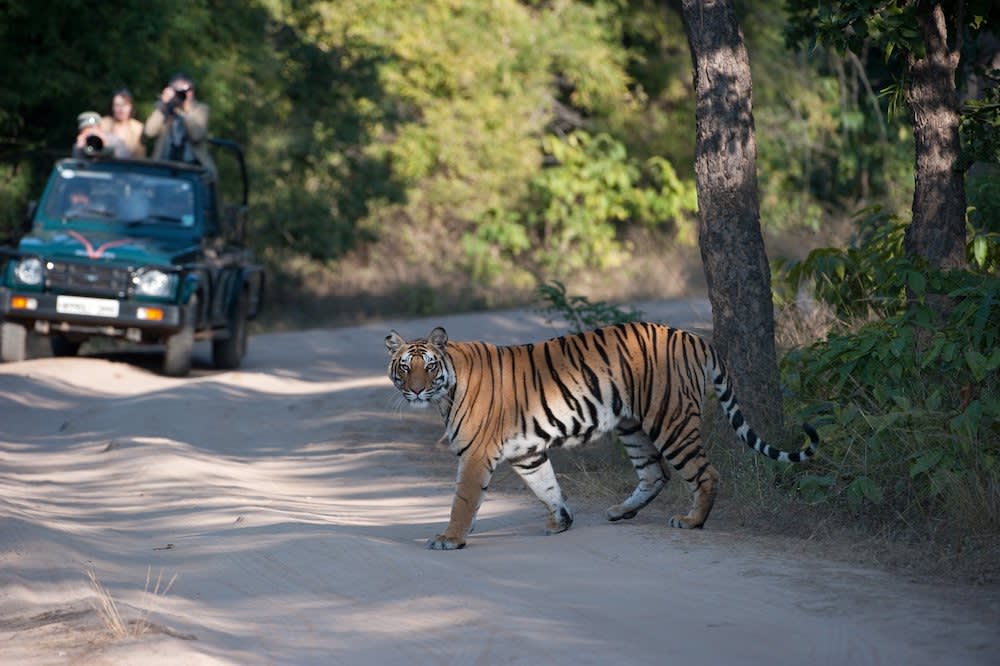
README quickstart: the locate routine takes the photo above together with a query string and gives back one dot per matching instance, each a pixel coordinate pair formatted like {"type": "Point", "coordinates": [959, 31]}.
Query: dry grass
{"type": "Point", "coordinates": [804, 322]}
{"type": "Point", "coordinates": [401, 279]}
{"type": "Point", "coordinates": [111, 617]}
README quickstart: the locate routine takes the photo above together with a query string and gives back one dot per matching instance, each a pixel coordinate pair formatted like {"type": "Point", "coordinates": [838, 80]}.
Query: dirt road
{"type": "Point", "coordinates": [292, 499]}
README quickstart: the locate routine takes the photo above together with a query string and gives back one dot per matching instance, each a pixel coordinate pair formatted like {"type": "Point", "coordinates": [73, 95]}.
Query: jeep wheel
{"type": "Point", "coordinates": [228, 352]}
{"type": "Point", "coordinates": [13, 342]}
{"type": "Point", "coordinates": [180, 345]}
{"type": "Point", "coordinates": [63, 346]}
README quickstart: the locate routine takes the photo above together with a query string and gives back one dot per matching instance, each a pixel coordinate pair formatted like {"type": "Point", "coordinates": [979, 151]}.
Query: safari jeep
{"type": "Point", "coordinates": [135, 250]}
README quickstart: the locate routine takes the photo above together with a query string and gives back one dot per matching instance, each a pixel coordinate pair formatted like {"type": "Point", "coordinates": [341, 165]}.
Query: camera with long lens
{"type": "Point", "coordinates": [93, 144]}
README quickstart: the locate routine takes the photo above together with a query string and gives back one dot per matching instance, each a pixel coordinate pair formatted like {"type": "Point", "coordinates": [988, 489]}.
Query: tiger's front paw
{"type": "Point", "coordinates": [559, 520]}
{"type": "Point", "coordinates": [442, 542]}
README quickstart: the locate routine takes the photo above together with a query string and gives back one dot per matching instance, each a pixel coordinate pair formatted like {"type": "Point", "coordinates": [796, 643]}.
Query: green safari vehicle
{"type": "Point", "coordinates": [137, 250]}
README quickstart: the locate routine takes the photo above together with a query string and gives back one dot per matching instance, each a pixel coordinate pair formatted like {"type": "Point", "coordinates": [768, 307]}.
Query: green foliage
{"type": "Point", "coordinates": [823, 136]}
{"type": "Point", "coordinates": [580, 312]}
{"type": "Point", "coordinates": [12, 196]}
{"type": "Point", "coordinates": [458, 98]}
{"type": "Point", "coordinates": [980, 126]}
{"type": "Point", "coordinates": [848, 25]}
{"type": "Point", "coordinates": [912, 416]}
{"type": "Point", "coordinates": [574, 208]}
{"type": "Point", "coordinates": [910, 406]}
{"type": "Point", "coordinates": [870, 44]}
{"type": "Point", "coordinates": [983, 196]}
{"type": "Point", "coordinates": [869, 276]}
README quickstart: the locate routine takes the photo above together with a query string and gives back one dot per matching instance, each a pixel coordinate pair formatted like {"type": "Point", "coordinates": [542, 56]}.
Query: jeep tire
{"type": "Point", "coordinates": [180, 345]}
{"type": "Point", "coordinates": [228, 352]}
{"type": "Point", "coordinates": [13, 342]}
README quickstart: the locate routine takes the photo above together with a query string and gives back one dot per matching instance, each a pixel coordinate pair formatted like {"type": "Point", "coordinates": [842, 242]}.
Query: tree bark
{"type": "Point", "coordinates": [732, 247]}
{"type": "Point", "coordinates": [937, 230]}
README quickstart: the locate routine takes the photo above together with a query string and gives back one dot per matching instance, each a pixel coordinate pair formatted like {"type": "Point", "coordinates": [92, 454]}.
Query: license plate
{"type": "Point", "coordinates": [92, 307]}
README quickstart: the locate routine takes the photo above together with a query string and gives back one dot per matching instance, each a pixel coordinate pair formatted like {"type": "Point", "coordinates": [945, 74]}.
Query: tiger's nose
{"type": "Point", "coordinates": [418, 381]}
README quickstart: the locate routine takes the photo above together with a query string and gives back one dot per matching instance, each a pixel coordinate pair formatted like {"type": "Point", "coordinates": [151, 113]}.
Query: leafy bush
{"type": "Point", "coordinates": [910, 408]}
{"type": "Point", "coordinates": [867, 277]}
{"type": "Point", "coordinates": [571, 217]}
{"type": "Point", "coordinates": [579, 312]}
{"type": "Point", "coordinates": [15, 185]}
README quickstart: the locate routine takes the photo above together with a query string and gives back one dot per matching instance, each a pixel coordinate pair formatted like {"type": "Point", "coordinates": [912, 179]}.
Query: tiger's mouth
{"type": "Point", "coordinates": [418, 402]}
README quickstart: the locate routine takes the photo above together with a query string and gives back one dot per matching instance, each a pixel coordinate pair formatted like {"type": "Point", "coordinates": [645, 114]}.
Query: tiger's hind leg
{"type": "Point", "coordinates": [653, 475]}
{"type": "Point", "coordinates": [537, 473]}
{"type": "Point", "coordinates": [681, 447]}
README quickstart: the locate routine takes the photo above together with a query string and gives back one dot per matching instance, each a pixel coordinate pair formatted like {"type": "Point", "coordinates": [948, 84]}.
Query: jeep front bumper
{"type": "Point", "coordinates": [88, 315]}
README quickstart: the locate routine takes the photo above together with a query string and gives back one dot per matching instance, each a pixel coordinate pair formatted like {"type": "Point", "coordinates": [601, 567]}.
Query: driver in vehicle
{"type": "Point", "coordinates": [76, 195]}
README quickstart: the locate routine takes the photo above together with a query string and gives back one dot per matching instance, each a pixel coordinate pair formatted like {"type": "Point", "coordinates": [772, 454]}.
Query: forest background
{"type": "Point", "coordinates": [410, 158]}
{"type": "Point", "coordinates": [406, 147]}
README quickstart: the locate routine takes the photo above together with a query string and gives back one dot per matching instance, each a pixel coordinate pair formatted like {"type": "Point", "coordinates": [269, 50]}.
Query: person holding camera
{"type": "Point", "coordinates": [179, 125]}
{"type": "Point", "coordinates": [92, 140]}
{"type": "Point", "coordinates": [119, 134]}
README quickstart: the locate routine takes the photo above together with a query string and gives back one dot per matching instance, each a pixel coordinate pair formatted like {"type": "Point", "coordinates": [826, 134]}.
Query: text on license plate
{"type": "Point", "coordinates": [93, 307]}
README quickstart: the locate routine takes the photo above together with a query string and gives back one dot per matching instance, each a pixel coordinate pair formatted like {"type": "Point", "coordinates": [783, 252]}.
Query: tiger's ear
{"type": "Point", "coordinates": [438, 338]}
{"type": "Point", "coordinates": [394, 341]}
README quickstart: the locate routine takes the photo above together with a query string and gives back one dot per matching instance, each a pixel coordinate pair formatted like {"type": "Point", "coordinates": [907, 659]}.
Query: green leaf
{"type": "Point", "coordinates": [816, 488]}
{"type": "Point", "coordinates": [978, 364]}
{"type": "Point", "coordinates": [863, 488]}
{"type": "Point", "coordinates": [925, 461]}
{"type": "Point", "coordinates": [979, 250]}
{"type": "Point", "coordinates": [896, 371]}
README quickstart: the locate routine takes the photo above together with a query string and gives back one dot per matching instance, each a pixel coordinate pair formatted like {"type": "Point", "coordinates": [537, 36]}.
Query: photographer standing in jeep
{"type": "Point", "coordinates": [179, 125]}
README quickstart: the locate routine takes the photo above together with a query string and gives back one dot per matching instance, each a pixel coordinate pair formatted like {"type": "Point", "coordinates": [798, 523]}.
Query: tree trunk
{"type": "Point", "coordinates": [937, 231]}
{"type": "Point", "coordinates": [732, 247]}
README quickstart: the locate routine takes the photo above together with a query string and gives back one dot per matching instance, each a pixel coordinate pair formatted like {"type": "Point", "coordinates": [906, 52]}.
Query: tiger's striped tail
{"type": "Point", "coordinates": [727, 398]}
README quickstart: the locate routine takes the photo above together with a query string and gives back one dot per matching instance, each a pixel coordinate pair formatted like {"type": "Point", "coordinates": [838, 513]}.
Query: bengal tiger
{"type": "Point", "coordinates": [644, 381]}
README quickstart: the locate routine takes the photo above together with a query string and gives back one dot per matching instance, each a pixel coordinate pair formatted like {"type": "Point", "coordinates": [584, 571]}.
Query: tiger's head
{"type": "Point", "coordinates": [421, 369]}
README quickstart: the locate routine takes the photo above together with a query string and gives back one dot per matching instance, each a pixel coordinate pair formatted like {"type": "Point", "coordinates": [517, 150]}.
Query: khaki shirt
{"type": "Point", "coordinates": [196, 123]}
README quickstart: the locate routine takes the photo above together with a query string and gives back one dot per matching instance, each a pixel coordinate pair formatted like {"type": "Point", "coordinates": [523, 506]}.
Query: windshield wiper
{"type": "Point", "coordinates": [87, 212]}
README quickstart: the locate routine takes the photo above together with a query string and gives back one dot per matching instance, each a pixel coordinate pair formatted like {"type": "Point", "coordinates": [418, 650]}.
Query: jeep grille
{"type": "Point", "coordinates": [88, 279]}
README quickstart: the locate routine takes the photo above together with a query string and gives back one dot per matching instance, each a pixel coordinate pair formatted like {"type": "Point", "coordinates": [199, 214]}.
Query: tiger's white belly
{"type": "Point", "coordinates": [521, 445]}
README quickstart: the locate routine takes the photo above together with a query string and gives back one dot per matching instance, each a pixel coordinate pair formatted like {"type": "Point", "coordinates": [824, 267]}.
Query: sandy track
{"type": "Point", "coordinates": [292, 499]}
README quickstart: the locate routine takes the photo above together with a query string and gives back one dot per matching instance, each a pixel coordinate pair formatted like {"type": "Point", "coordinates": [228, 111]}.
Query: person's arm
{"type": "Point", "coordinates": [135, 138]}
{"type": "Point", "coordinates": [157, 119]}
{"type": "Point", "coordinates": [154, 124]}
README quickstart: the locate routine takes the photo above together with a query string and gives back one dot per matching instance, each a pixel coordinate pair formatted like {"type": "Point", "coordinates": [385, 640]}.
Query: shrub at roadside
{"type": "Point", "coordinates": [910, 408]}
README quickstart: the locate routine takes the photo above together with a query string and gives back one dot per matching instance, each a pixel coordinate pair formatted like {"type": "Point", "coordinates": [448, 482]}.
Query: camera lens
{"type": "Point", "coordinates": [93, 143]}
{"type": "Point", "coordinates": [180, 95]}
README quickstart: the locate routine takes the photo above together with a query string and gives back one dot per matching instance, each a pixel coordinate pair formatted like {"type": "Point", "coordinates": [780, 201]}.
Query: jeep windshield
{"type": "Point", "coordinates": [136, 199]}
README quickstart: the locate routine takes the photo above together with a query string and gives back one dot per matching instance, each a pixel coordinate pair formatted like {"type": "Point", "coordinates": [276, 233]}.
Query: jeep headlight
{"type": "Point", "coordinates": [29, 271]}
{"type": "Point", "coordinates": [154, 282]}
